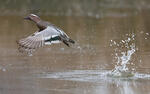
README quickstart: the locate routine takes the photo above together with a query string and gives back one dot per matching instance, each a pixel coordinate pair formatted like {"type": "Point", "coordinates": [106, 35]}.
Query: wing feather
{"type": "Point", "coordinates": [37, 39]}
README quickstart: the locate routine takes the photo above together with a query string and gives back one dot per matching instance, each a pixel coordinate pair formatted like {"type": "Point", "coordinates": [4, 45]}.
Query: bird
{"type": "Point", "coordinates": [46, 35]}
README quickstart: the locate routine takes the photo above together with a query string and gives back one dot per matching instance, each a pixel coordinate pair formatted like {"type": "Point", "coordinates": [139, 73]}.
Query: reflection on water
{"type": "Point", "coordinates": [90, 76]}
{"type": "Point", "coordinates": [83, 68]}
{"type": "Point", "coordinates": [102, 82]}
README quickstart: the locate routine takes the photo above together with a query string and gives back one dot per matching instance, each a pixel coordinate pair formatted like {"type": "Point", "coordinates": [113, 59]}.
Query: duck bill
{"type": "Point", "coordinates": [26, 18]}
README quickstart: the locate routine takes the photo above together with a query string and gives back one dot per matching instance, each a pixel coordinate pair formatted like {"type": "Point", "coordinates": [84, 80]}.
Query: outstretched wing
{"type": "Point", "coordinates": [39, 39]}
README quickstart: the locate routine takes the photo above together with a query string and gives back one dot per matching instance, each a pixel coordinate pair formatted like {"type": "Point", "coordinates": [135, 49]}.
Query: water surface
{"type": "Point", "coordinates": [85, 67]}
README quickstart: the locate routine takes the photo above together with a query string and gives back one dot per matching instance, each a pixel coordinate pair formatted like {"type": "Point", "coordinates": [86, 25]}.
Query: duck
{"type": "Point", "coordinates": [47, 34]}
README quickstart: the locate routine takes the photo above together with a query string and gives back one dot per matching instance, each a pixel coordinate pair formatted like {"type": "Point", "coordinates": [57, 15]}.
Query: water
{"type": "Point", "coordinates": [111, 54]}
{"type": "Point", "coordinates": [121, 69]}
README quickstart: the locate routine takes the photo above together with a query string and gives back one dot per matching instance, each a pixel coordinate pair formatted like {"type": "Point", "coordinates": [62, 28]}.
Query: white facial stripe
{"type": "Point", "coordinates": [34, 15]}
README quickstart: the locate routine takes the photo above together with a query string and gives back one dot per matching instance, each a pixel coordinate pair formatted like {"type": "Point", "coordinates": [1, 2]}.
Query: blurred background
{"type": "Point", "coordinates": [102, 29]}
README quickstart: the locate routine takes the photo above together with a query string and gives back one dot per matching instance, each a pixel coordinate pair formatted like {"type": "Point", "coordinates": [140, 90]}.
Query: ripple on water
{"type": "Point", "coordinates": [92, 75]}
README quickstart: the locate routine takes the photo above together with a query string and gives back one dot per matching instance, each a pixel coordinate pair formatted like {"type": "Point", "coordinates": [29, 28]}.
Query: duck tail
{"type": "Point", "coordinates": [65, 42]}
{"type": "Point", "coordinates": [71, 41]}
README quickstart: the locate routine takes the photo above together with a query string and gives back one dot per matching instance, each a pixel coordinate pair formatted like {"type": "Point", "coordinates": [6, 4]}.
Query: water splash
{"type": "Point", "coordinates": [123, 53]}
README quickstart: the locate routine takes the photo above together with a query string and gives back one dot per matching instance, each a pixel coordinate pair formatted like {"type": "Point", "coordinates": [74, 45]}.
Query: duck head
{"type": "Point", "coordinates": [33, 17]}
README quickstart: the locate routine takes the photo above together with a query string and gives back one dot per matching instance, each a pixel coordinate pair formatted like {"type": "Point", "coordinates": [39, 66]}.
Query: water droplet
{"type": "Point", "coordinates": [62, 49]}
{"type": "Point", "coordinates": [97, 16]}
{"type": "Point", "coordinates": [4, 69]}
{"type": "Point", "coordinates": [123, 59]}
{"type": "Point", "coordinates": [147, 33]}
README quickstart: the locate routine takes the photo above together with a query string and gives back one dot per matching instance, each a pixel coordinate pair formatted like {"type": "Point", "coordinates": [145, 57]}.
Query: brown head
{"type": "Point", "coordinates": [33, 18]}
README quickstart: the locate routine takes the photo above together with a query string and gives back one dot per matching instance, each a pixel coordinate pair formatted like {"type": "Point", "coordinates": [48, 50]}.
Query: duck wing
{"type": "Point", "coordinates": [39, 39]}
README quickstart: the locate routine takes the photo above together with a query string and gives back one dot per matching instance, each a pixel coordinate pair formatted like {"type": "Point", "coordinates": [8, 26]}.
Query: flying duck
{"type": "Point", "coordinates": [46, 35]}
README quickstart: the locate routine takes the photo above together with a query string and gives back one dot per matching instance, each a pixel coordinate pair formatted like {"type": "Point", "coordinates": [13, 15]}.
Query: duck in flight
{"type": "Point", "coordinates": [48, 34]}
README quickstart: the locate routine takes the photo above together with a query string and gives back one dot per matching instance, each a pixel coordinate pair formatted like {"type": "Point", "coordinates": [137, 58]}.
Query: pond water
{"type": "Point", "coordinates": [111, 54]}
